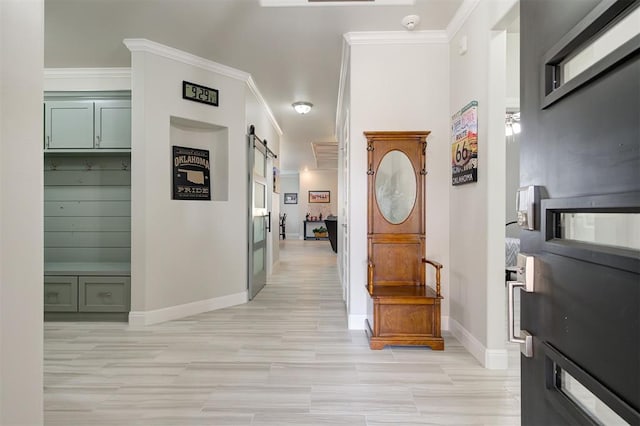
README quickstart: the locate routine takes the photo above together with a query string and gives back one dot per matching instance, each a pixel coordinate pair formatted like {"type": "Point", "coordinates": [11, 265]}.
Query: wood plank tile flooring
{"type": "Point", "coordinates": [285, 358]}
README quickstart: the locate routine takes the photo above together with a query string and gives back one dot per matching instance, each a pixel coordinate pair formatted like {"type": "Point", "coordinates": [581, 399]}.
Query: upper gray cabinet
{"type": "Point", "coordinates": [82, 125]}
{"type": "Point", "coordinates": [68, 124]}
{"type": "Point", "coordinates": [112, 124]}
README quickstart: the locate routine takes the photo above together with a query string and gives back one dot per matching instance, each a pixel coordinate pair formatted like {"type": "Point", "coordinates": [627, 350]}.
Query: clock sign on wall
{"type": "Point", "coordinates": [198, 93]}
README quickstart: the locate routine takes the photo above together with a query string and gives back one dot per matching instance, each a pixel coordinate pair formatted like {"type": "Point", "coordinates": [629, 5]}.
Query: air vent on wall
{"type": "Point", "coordinates": [326, 154]}
{"type": "Point", "coordinates": [285, 3]}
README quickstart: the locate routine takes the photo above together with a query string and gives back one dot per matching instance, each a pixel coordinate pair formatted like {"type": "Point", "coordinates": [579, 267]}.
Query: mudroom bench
{"type": "Point", "coordinates": [87, 291]}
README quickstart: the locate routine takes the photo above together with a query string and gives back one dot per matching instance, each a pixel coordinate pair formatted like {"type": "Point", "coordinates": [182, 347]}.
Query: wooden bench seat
{"type": "Point", "coordinates": [405, 315]}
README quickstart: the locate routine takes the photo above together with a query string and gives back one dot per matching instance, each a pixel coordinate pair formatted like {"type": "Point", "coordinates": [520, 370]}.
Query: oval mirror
{"type": "Point", "coordinates": [395, 187]}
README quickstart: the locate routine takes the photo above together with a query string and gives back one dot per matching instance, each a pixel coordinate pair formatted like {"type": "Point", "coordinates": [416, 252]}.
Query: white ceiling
{"type": "Point", "coordinates": [293, 53]}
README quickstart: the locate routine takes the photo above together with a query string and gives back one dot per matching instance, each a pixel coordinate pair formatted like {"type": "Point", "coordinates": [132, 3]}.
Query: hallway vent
{"type": "Point", "coordinates": [326, 155]}
{"type": "Point", "coordinates": [289, 3]}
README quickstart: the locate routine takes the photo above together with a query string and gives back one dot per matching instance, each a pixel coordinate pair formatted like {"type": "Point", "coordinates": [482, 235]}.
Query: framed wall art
{"type": "Point", "coordinates": [319, 196]}
{"type": "Point", "coordinates": [291, 198]}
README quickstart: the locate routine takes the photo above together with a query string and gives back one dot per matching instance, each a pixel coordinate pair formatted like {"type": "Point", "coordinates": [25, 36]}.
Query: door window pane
{"type": "Point", "coordinates": [587, 401]}
{"type": "Point", "coordinates": [614, 37]}
{"type": "Point", "coordinates": [258, 229]}
{"type": "Point", "coordinates": [259, 198]}
{"type": "Point", "coordinates": [259, 163]}
{"type": "Point", "coordinates": [258, 261]}
{"type": "Point", "coordinates": [607, 229]}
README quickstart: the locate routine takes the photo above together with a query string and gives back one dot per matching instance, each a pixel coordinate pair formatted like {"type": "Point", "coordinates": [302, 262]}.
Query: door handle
{"type": "Point", "coordinates": [269, 222]}
{"type": "Point", "coordinates": [525, 281]}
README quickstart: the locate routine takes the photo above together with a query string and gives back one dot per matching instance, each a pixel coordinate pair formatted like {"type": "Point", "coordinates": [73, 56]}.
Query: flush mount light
{"type": "Point", "coordinates": [302, 107]}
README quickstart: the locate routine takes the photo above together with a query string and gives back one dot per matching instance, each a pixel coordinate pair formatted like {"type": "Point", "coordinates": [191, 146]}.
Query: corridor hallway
{"type": "Point", "coordinates": [286, 358]}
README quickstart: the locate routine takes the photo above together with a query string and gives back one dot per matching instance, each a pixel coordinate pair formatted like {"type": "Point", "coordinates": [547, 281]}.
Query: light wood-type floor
{"type": "Point", "coordinates": [285, 358]}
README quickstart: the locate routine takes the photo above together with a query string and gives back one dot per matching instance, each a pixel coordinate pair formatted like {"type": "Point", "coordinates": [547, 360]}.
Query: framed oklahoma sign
{"type": "Point", "coordinates": [191, 174]}
{"type": "Point", "coordinates": [464, 145]}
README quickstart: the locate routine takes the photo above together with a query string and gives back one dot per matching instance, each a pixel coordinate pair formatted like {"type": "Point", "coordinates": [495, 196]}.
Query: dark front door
{"type": "Point", "coordinates": [580, 144]}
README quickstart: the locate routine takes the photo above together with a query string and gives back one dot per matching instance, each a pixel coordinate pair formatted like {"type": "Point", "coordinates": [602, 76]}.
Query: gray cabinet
{"type": "Point", "coordinates": [87, 125]}
{"type": "Point", "coordinates": [104, 294]}
{"type": "Point", "coordinates": [80, 293]}
{"type": "Point", "coordinates": [60, 294]}
{"type": "Point", "coordinates": [68, 124]}
{"type": "Point", "coordinates": [112, 124]}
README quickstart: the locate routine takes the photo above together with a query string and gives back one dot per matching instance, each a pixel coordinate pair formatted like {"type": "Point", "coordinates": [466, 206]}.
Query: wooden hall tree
{"type": "Point", "coordinates": [405, 310]}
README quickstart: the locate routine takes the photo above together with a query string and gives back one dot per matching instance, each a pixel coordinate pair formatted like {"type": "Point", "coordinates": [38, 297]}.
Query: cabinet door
{"type": "Point", "coordinates": [104, 294]}
{"type": "Point", "coordinates": [113, 124]}
{"type": "Point", "coordinates": [68, 125]}
{"type": "Point", "coordinates": [60, 293]}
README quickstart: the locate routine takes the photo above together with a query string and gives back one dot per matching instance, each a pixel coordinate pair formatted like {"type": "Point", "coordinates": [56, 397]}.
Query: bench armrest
{"type": "Point", "coordinates": [438, 267]}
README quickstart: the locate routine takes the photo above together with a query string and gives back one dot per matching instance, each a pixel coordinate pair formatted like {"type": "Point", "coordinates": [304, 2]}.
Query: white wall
{"type": "Point", "coordinates": [477, 229]}
{"type": "Point", "coordinates": [21, 214]}
{"type": "Point", "coordinates": [317, 180]}
{"type": "Point", "coordinates": [191, 253]}
{"type": "Point", "coordinates": [291, 183]}
{"type": "Point", "coordinates": [399, 86]}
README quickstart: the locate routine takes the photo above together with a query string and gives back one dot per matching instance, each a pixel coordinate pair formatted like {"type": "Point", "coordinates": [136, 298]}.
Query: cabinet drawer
{"type": "Point", "coordinates": [104, 294]}
{"type": "Point", "coordinates": [60, 294]}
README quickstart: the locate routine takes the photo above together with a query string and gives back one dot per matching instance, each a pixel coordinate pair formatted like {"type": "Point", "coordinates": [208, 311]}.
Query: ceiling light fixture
{"type": "Point", "coordinates": [302, 107]}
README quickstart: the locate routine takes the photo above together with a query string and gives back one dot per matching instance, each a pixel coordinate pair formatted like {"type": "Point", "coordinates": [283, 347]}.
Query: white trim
{"type": "Point", "coordinates": [344, 67]}
{"type": "Point", "coordinates": [444, 323]}
{"type": "Point", "coordinates": [143, 318]}
{"type": "Point", "coordinates": [513, 103]}
{"type": "Point", "coordinates": [462, 14]}
{"type": "Point", "coordinates": [144, 45]}
{"type": "Point", "coordinates": [396, 37]}
{"type": "Point", "coordinates": [356, 322]}
{"type": "Point", "coordinates": [496, 359]}
{"type": "Point", "coordinates": [86, 79]}
{"type": "Point", "coordinates": [492, 359]}
{"type": "Point", "coordinates": [258, 95]}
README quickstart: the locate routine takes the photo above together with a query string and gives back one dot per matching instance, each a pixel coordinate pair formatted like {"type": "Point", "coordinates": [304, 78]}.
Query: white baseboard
{"type": "Point", "coordinates": [143, 318]}
{"type": "Point", "coordinates": [356, 322]}
{"type": "Point", "coordinates": [492, 359]}
{"type": "Point", "coordinates": [444, 324]}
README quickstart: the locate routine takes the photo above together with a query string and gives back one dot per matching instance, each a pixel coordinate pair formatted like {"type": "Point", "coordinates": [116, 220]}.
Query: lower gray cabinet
{"type": "Point", "coordinates": [79, 293]}
{"type": "Point", "coordinates": [104, 294]}
{"type": "Point", "coordinates": [60, 294]}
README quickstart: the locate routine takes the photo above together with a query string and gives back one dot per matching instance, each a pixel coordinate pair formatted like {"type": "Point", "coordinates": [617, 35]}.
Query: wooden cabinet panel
{"type": "Point", "coordinates": [60, 294]}
{"type": "Point", "coordinates": [104, 294]}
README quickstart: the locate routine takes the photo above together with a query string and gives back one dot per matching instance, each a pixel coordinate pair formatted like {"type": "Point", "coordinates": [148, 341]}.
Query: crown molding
{"type": "Point", "coordinates": [86, 79]}
{"type": "Point", "coordinates": [261, 100]}
{"type": "Point", "coordinates": [144, 45]}
{"type": "Point", "coordinates": [462, 14]}
{"type": "Point", "coordinates": [396, 37]}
